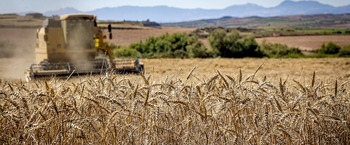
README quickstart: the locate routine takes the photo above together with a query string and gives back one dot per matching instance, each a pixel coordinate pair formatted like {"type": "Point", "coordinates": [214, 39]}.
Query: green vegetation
{"type": "Point", "coordinates": [232, 45]}
{"type": "Point", "coordinates": [223, 43]}
{"type": "Point", "coordinates": [279, 50]}
{"type": "Point", "coordinates": [177, 45]}
{"type": "Point", "coordinates": [272, 31]}
{"type": "Point", "coordinates": [122, 51]}
{"type": "Point", "coordinates": [345, 52]}
{"type": "Point", "coordinates": [330, 48]}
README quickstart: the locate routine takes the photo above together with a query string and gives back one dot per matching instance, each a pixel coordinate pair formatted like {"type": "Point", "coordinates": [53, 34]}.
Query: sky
{"type": "Point", "coordinates": [16, 6]}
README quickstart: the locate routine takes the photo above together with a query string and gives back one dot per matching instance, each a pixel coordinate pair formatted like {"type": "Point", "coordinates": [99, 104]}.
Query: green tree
{"type": "Point", "coordinates": [249, 47]}
{"type": "Point", "coordinates": [122, 51]}
{"type": "Point", "coordinates": [217, 42]}
{"type": "Point", "coordinates": [278, 50]}
{"type": "Point", "coordinates": [196, 48]}
{"type": "Point", "coordinates": [232, 45]}
{"type": "Point", "coordinates": [175, 45]}
{"type": "Point", "coordinates": [330, 48]}
{"type": "Point", "coordinates": [345, 51]}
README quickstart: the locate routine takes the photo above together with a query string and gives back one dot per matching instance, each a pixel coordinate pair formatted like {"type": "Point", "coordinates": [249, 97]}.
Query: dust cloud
{"type": "Point", "coordinates": [80, 40]}
{"type": "Point", "coordinates": [16, 52]}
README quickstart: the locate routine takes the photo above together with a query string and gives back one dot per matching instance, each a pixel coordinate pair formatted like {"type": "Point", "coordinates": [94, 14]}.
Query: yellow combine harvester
{"type": "Point", "coordinates": [69, 46]}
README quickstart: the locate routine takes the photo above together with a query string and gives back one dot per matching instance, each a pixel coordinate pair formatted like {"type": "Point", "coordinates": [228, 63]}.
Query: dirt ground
{"type": "Point", "coordinates": [308, 42]}
{"type": "Point", "coordinates": [126, 37]}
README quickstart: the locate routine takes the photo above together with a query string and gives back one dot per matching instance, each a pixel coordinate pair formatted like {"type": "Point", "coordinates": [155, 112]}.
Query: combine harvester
{"type": "Point", "coordinates": [69, 46]}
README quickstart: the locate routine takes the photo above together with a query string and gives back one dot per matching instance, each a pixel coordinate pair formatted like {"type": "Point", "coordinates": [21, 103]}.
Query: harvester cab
{"type": "Point", "coordinates": [69, 46]}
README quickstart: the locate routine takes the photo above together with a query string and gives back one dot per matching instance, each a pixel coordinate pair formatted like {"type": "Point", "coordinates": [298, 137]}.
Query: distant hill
{"type": "Point", "coordinates": [170, 14]}
{"type": "Point", "coordinates": [304, 21]}
{"type": "Point", "coordinates": [35, 20]}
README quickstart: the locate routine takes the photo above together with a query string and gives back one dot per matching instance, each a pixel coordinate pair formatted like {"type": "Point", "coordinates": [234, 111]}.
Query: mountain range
{"type": "Point", "coordinates": [164, 14]}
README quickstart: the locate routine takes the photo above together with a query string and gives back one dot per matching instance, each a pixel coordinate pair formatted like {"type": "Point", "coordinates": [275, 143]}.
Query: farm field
{"type": "Point", "coordinates": [308, 42]}
{"type": "Point", "coordinates": [178, 101]}
{"type": "Point", "coordinates": [174, 103]}
{"type": "Point", "coordinates": [326, 68]}
{"type": "Point", "coordinates": [126, 37]}
{"type": "Point", "coordinates": [24, 41]}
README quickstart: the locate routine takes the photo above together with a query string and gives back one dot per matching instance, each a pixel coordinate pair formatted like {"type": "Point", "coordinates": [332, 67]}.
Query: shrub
{"type": "Point", "coordinates": [122, 51]}
{"type": "Point", "coordinates": [344, 51]}
{"type": "Point", "coordinates": [232, 45]}
{"type": "Point", "coordinates": [330, 48]}
{"type": "Point", "coordinates": [196, 48]}
{"type": "Point", "coordinates": [279, 50]}
{"type": "Point", "coordinates": [176, 45]}
{"type": "Point", "coordinates": [217, 42]}
{"type": "Point", "coordinates": [250, 47]}
{"type": "Point", "coordinates": [221, 43]}
{"type": "Point", "coordinates": [180, 53]}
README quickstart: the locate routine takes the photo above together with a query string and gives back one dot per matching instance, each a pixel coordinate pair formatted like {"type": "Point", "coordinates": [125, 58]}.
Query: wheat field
{"type": "Point", "coordinates": [245, 104]}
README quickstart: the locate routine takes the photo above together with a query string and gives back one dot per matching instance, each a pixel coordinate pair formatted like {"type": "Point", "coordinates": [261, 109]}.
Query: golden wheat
{"type": "Point", "coordinates": [217, 110]}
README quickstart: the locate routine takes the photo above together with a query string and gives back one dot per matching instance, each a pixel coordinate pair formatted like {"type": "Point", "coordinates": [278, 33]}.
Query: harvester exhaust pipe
{"type": "Point", "coordinates": [110, 38]}
{"type": "Point", "coordinates": [95, 23]}
{"type": "Point", "coordinates": [110, 31]}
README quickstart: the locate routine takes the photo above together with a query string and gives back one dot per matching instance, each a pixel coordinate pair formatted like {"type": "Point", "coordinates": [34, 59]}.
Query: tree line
{"type": "Point", "coordinates": [222, 44]}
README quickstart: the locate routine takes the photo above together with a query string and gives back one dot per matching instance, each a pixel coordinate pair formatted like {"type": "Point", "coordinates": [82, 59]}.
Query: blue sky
{"type": "Point", "coordinates": [15, 6]}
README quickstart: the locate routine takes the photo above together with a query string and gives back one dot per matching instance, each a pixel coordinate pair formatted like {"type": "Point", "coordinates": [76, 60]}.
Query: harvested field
{"type": "Point", "coordinates": [308, 42]}
{"type": "Point", "coordinates": [194, 106]}
{"type": "Point", "coordinates": [126, 37]}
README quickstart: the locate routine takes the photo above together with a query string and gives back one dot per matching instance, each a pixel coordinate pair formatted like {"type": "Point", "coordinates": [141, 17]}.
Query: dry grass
{"type": "Point", "coordinates": [329, 69]}
{"type": "Point", "coordinates": [183, 108]}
